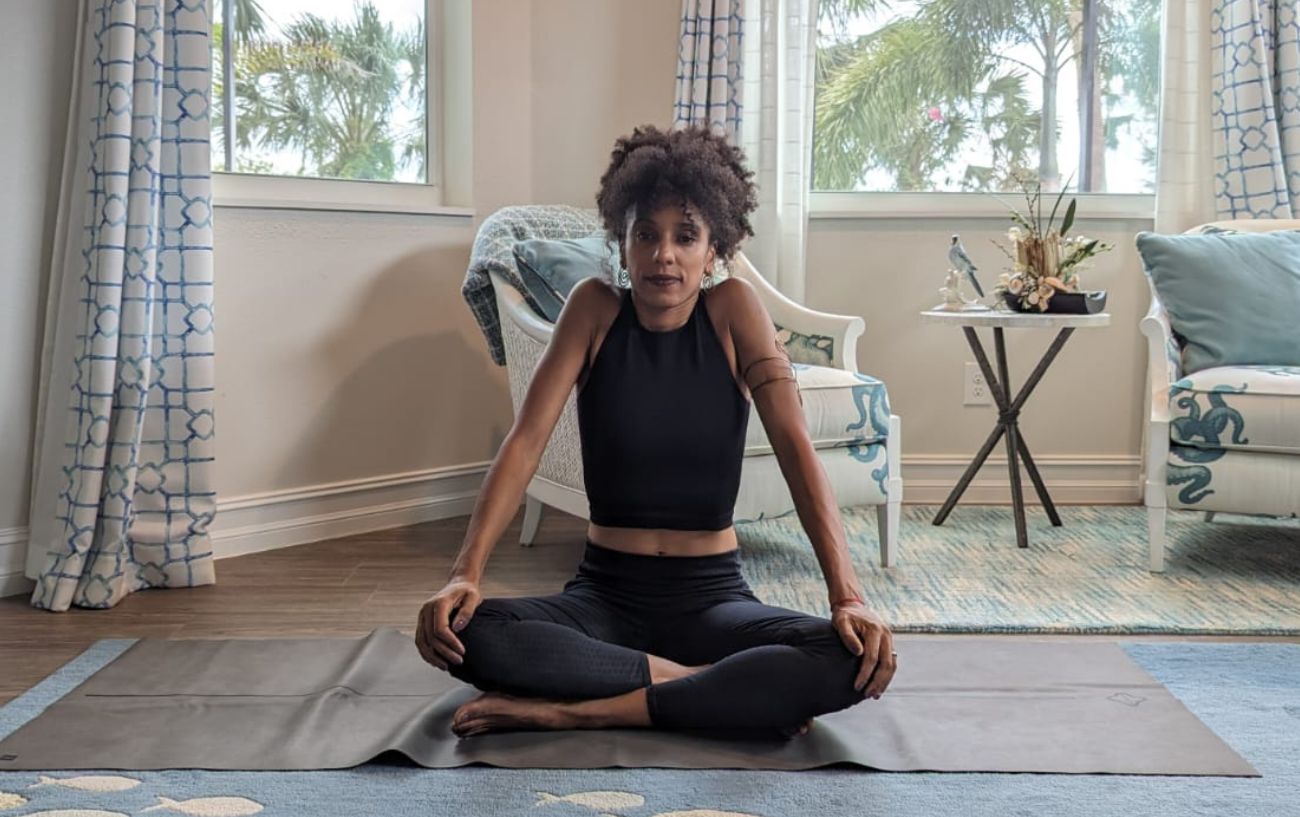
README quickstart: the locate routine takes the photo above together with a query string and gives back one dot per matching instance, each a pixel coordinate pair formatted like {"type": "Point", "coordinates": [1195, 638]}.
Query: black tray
{"type": "Point", "coordinates": [1067, 303]}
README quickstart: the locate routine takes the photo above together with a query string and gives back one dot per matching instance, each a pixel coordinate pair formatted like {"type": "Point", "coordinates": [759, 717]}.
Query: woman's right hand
{"type": "Point", "coordinates": [435, 633]}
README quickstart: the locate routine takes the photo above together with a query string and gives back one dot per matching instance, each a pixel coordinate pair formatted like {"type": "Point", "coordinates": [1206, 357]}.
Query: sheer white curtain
{"type": "Point", "coordinates": [1185, 166]}
{"type": "Point", "coordinates": [776, 133]}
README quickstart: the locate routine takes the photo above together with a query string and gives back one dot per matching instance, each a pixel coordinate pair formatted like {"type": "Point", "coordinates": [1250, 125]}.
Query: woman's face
{"type": "Point", "coordinates": [667, 252]}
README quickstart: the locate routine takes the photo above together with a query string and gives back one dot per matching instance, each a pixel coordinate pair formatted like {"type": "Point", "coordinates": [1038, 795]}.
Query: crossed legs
{"type": "Point", "coordinates": [570, 661]}
{"type": "Point", "coordinates": [565, 661]}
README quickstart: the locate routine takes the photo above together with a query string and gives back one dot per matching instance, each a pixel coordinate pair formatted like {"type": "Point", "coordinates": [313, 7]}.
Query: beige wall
{"type": "Point", "coordinates": [599, 69]}
{"type": "Point", "coordinates": [35, 75]}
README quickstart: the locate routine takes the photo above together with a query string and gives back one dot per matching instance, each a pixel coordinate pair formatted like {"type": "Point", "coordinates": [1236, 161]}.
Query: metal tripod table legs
{"type": "Point", "coordinates": [1008, 412]}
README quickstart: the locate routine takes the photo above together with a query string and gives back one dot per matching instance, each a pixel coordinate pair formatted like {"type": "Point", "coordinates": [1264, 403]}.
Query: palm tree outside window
{"type": "Point", "coordinates": [331, 90]}
{"type": "Point", "coordinates": [952, 95]}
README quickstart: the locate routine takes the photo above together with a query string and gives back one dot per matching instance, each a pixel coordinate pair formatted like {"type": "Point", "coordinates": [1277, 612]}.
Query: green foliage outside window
{"type": "Point", "coordinates": [321, 97]}
{"type": "Point", "coordinates": [922, 95]}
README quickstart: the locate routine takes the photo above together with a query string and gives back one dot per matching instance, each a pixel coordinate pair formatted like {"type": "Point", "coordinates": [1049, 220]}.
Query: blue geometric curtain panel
{"type": "Point", "coordinates": [709, 66]}
{"type": "Point", "coordinates": [130, 492]}
{"type": "Point", "coordinates": [1256, 107]}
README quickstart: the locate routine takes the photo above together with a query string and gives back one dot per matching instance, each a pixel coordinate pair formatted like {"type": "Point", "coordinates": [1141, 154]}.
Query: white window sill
{"type": "Point", "coordinates": [249, 190]}
{"type": "Point", "coordinates": [1092, 206]}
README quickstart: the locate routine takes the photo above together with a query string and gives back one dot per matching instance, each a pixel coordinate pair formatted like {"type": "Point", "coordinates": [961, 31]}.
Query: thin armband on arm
{"type": "Point", "coordinates": [790, 377]}
{"type": "Point", "coordinates": [745, 374]}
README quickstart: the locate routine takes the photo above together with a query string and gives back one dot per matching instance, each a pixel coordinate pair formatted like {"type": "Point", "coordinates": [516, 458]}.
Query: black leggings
{"type": "Point", "coordinates": [772, 668]}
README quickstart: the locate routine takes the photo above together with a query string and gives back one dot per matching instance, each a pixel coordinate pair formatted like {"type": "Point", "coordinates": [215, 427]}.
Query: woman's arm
{"type": "Point", "coordinates": [516, 462]}
{"type": "Point", "coordinates": [512, 468]}
{"type": "Point", "coordinates": [767, 372]}
{"type": "Point", "coordinates": [770, 377]}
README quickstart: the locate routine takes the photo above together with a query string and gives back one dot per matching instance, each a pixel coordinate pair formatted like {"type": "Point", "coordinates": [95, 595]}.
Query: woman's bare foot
{"type": "Point", "coordinates": [496, 711]}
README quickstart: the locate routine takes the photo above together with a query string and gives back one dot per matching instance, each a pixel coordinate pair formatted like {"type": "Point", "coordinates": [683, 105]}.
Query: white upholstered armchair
{"type": "Point", "coordinates": [1224, 439]}
{"type": "Point", "coordinates": [853, 431]}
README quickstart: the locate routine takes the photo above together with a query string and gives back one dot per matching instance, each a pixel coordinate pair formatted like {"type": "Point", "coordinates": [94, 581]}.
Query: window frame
{"type": "Point", "coordinates": [446, 189]}
{"type": "Point", "coordinates": [957, 204]}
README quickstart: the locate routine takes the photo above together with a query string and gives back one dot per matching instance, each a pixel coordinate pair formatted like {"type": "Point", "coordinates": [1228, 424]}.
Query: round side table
{"type": "Point", "coordinates": [1009, 408]}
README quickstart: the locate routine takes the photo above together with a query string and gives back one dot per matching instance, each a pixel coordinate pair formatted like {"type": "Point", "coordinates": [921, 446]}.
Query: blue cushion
{"type": "Point", "coordinates": [550, 268]}
{"type": "Point", "coordinates": [1233, 298]}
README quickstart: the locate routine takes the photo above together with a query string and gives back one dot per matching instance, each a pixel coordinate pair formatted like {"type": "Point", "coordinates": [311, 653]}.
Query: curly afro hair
{"type": "Point", "coordinates": [652, 167]}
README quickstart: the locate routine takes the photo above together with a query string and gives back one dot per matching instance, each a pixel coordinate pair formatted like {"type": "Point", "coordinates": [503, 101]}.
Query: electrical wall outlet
{"type": "Point", "coordinates": [976, 389]}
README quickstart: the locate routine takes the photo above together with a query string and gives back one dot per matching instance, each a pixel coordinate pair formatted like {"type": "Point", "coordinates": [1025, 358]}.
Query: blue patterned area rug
{"type": "Point", "coordinates": [1237, 575]}
{"type": "Point", "coordinates": [1245, 692]}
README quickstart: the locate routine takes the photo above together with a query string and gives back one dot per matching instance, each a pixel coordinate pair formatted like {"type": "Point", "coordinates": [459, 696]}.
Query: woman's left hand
{"type": "Point", "coordinates": [865, 633]}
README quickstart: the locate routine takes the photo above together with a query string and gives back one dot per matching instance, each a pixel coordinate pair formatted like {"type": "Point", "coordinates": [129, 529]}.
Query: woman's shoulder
{"type": "Point", "coordinates": [596, 296]}
{"type": "Point", "coordinates": [598, 301]}
{"type": "Point", "coordinates": [731, 289]}
{"type": "Point", "coordinates": [730, 299]}
{"type": "Point", "coordinates": [597, 289]}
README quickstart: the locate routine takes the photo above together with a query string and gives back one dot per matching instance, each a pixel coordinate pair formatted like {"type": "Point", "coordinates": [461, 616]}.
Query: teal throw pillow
{"type": "Point", "coordinates": [1232, 298]}
{"type": "Point", "coordinates": [550, 268]}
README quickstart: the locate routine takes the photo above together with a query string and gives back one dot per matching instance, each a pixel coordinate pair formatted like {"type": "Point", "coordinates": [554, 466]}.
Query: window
{"type": "Point", "coordinates": [327, 90]}
{"type": "Point", "coordinates": [951, 95]}
{"type": "Point", "coordinates": [329, 103]}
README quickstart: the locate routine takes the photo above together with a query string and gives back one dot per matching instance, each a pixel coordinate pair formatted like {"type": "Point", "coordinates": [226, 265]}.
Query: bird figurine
{"type": "Point", "coordinates": [961, 262]}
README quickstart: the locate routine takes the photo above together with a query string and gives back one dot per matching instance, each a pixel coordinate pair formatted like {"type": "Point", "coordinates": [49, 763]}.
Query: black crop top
{"type": "Point", "coordinates": [662, 424]}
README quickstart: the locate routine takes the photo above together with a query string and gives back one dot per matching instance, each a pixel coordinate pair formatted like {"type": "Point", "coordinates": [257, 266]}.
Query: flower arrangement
{"type": "Point", "coordinates": [1044, 260]}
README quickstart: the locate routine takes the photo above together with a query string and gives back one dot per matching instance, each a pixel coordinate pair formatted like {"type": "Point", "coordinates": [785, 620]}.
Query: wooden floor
{"type": "Point", "coordinates": [343, 587]}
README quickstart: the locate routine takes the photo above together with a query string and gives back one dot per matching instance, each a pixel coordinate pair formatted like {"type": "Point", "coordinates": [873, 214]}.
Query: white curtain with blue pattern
{"type": "Point", "coordinates": [708, 66]}
{"type": "Point", "coordinates": [1256, 107]}
{"type": "Point", "coordinates": [1229, 112]}
{"type": "Point", "coordinates": [122, 489]}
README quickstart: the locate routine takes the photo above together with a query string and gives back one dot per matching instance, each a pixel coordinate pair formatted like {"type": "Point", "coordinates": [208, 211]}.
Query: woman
{"type": "Point", "coordinates": [659, 628]}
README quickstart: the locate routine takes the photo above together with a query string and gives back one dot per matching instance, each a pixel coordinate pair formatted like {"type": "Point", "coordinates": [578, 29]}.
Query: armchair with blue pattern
{"type": "Point", "coordinates": [1224, 439]}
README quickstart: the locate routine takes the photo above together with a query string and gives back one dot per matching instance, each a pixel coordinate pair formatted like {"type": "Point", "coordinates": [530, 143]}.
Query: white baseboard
{"type": "Point", "coordinates": [13, 554]}
{"type": "Point", "coordinates": [276, 519]}
{"type": "Point", "coordinates": [1070, 479]}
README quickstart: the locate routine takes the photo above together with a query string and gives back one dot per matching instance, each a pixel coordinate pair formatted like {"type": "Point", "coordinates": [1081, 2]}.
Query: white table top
{"type": "Point", "coordinates": [1027, 320]}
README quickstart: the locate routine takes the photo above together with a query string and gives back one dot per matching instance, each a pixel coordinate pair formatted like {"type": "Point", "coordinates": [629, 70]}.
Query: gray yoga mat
{"type": "Point", "coordinates": [972, 704]}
